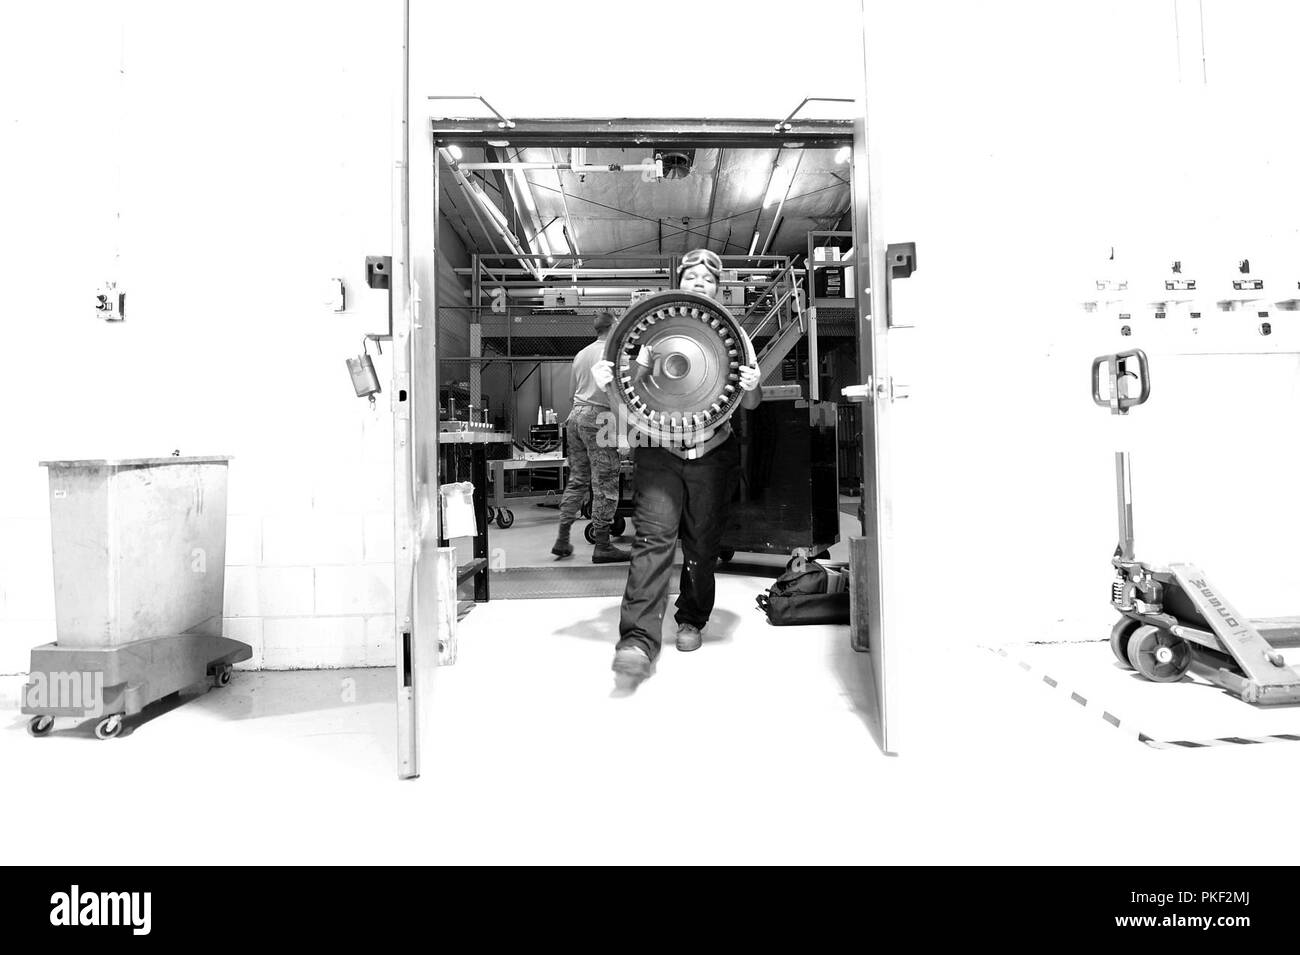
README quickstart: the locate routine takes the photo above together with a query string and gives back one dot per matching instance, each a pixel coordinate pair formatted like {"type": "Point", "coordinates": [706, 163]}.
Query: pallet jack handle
{"type": "Point", "coordinates": [1119, 399]}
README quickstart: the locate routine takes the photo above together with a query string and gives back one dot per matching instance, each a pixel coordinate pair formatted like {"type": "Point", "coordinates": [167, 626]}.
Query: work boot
{"type": "Point", "coordinates": [607, 553]}
{"type": "Point", "coordinates": [562, 547]}
{"type": "Point", "coordinates": [631, 662]}
{"type": "Point", "coordinates": [688, 637]}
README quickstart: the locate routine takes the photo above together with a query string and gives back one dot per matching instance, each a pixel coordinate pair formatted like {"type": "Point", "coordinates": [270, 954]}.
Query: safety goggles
{"type": "Point", "coordinates": [710, 261]}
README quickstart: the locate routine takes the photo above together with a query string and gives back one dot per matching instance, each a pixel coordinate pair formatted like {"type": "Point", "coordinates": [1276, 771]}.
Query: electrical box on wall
{"type": "Point", "coordinates": [733, 295]}
{"type": "Point", "coordinates": [336, 295]}
{"type": "Point", "coordinates": [110, 303]}
{"type": "Point", "coordinates": [560, 298]}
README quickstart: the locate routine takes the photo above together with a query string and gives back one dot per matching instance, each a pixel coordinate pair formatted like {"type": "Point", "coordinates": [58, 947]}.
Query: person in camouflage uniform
{"type": "Point", "coordinates": [593, 458]}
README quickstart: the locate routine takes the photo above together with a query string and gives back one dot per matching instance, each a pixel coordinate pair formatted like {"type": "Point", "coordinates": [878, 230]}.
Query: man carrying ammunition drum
{"type": "Point", "coordinates": [683, 490]}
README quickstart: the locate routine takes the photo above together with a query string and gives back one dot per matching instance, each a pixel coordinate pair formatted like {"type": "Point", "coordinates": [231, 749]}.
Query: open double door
{"type": "Point", "coordinates": [421, 614]}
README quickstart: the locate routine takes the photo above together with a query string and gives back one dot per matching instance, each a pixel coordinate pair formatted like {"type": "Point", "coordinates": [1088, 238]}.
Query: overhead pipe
{"type": "Point", "coordinates": [657, 166]}
{"type": "Point", "coordinates": [781, 205]}
{"type": "Point", "coordinates": [521, 191]}
{"type": "Point", "coordinates": [568, 220]}
{"type": "Point", "coordinates": [476, 193]}
{"type": "Point", "coordinates": [776, 161]}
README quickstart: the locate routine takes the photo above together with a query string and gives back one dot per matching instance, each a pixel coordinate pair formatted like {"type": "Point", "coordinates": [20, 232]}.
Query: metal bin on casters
{"type": "Point", "coordinates": [139, 550]}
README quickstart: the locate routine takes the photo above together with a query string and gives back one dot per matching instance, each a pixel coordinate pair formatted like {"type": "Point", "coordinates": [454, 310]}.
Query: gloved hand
{"type": "Point", "coordinates": [602, 373]}
{"type": "Point", "coordinates": [749, 376]}
{"type": "Point", "coordinates": [645, 357]}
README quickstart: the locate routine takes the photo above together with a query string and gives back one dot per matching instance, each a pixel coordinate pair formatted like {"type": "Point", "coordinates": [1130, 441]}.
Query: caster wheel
{"type": "Point", "coordinates": [726, 554]}
{"type": "Point", "coordinates": [586, 508]}
{"type": "Point", "coordinates": [505, 518]}
{"type": "Point", "coordinates": [1119, 637]}
{"type": "Point", "coordinates": [620, 525]}
{"type": "Point", "coordinates": [40, 725]}
{"type": "Point", "coordinates": [109, 726]}
{"type": "Point", "coordinates": [1158, 655]}
{"type": "Point", "coordinates": [223, 676]}
{"type": "Point", "coordinates": [589, 532]}
{"type": "Point", "coordinates": [491, 513]}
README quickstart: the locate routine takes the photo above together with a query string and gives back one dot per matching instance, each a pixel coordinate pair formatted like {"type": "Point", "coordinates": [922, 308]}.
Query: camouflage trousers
{"type": "Point", "coordinates": [592, 469]}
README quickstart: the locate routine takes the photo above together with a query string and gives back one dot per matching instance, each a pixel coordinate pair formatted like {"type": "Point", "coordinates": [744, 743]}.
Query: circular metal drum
{"type": "Point", "coordinates": [693, 384]}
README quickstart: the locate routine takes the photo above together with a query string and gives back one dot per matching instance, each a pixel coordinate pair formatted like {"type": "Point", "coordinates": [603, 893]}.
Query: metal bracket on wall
{"type": "Point", "coordinates": [502, 122]}
{"type": "Point", "coordinates": [901, 257]}
{"type": "Point", "coordinates": [785, 125]}
{"type": "Point", "coordinates": [379, 271]}
{"type": "Point", "coordinates": [379, 274]}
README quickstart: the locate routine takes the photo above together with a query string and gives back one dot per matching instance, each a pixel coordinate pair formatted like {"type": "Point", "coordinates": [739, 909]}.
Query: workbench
{"type": "Point", "coordinates": [499, 469]}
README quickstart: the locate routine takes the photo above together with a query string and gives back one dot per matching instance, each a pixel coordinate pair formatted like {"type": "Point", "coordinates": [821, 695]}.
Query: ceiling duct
{"type": "Point", "coordinates": [677, 162]}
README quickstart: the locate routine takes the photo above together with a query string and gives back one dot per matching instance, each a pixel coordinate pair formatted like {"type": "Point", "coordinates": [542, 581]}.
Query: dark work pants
{"type": "Point", "coordinates": [673, 497]}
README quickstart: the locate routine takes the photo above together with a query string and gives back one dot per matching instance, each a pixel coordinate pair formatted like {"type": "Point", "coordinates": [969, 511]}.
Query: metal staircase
{"type": "Point", "coordinates": [784, 321]}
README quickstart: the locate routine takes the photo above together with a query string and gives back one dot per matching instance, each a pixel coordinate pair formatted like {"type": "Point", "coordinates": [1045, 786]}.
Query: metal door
{"type": "Point", "coordinates": [874, 614]}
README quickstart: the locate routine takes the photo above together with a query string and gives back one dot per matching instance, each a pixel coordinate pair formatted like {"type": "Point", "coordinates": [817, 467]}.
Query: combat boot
{"type": "Point", "coordinates": [605, 552]}
{"type": "Point", "coordinates": [562, 547]}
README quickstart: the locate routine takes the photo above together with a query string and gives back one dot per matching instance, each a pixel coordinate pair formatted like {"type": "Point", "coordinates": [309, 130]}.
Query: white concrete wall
{"type": "Point", "coordinates": [1020, 142]}
{"type": "Point", "coordinates": [254, 148]}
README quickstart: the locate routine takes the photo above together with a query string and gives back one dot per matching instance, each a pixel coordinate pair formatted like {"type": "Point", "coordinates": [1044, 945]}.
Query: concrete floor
{"type": "Point", "coordinates": [759, 747]}
{"type": "Point", "coordinates": [1191, 710]}
{"type": "Point", "coordinates": [527, 542]}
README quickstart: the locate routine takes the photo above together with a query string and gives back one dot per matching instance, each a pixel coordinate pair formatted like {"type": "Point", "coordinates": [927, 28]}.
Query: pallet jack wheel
{"type": "Point", "coordinates": [589, 532]}
{"type": "Point", "coordinates": [726, 554]}
{"type": "Point", "coordinates": [1158, 655]}
{"type": "Point", "coordinates": [40, 725]}
{"type": "Point", "coordinates": [505, 518]}
{"type": "Point", "coordinates": [109, 726]}
{"type": "Point", "coordinates": [1119, 637]}
{"type": "Point", "coordinates": [619, 526]}
{"type": "Point", "coordinates": [491, 513]}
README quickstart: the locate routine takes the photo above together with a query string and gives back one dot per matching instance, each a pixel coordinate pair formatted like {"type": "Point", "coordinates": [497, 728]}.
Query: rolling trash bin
{"type": "Point", "coordinates": [139, 550]}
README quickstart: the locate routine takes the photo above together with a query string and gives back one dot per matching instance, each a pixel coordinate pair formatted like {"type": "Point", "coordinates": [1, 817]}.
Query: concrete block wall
{"type": "Point", "coordinates": [179, 153]}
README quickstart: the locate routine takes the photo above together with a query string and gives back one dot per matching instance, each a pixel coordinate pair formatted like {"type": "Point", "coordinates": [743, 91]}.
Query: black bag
{"type": "Point", "coordinates": [799, 596]}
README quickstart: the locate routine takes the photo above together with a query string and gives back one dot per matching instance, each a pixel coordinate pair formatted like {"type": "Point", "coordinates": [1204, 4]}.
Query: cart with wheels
{"type": "Point", "coordinates": [139, 550]}
{"type": "Point", "coordinates": [1173, 619]}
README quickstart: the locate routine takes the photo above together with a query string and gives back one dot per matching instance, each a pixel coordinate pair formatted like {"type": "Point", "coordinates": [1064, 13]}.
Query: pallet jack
{"type": "Point", "coordinates": [1173, 618]}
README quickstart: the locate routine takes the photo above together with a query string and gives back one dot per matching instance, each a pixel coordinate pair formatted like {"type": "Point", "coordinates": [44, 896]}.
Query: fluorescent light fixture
{"type": "Point", "coordinates": [780, 183]}
{"type": "Point", "coordinates": [499, 143]}
{"type": "Point", "coordinates": [842, 155]}
{"type": "Point", "coordinates": [456, 153]}
{"type": "Point", "coordinates": [555, 238]}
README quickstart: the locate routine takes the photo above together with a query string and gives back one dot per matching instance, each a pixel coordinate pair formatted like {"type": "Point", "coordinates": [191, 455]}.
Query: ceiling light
{"type": "Point", "coordinates": [780, 184]}
{"type": "Point", "coordinates": [456, 153]}
{"type": "Point", "coordinates": [499, 143]}
{"type": "Point", "coordinates": [843, 154]}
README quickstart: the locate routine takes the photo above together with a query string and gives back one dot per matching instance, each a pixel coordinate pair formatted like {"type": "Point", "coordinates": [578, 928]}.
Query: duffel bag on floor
{"type": "Point", "coordinates": [799, 596]}
{"type": "Point", "coordinates": [785, 610]}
